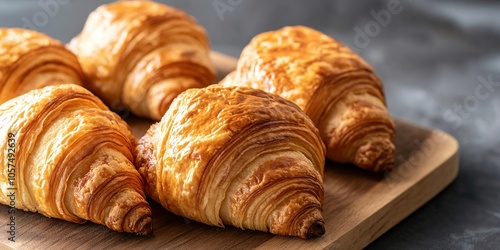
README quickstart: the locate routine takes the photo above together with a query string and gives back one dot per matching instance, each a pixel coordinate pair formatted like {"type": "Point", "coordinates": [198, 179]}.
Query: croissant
{"type": "Point", "coordinates": [236, 156]}
{"type": "Point", "coordinates": [334, 86]}
{"type": "Point", "coordinates": [69, 157]}
{"type": "Point", "coordinates": [30, 60]}
{"type": "Point", "coordinates": [141, 55]}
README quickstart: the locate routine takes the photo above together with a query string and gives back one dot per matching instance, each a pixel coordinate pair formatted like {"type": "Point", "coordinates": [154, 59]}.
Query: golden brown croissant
{"type": "Point", "coordinates": [69, 157]}
{"type": "Point", "coordinates": [236, 156]}
{"type": "Point", "coordinates": [142, 54]}
{"type": "Point", "coordinates": [30, 60]}
{"type": "Point", "coordinates": [334, 86]}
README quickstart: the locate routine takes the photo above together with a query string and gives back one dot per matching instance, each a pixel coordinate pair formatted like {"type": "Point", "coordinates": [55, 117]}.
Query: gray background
{"type": "Point", "coordinates": [431, 56]}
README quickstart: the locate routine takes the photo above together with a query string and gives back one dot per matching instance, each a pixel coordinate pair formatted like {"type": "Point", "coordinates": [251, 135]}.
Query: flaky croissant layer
{"type": "Point", "coordinates": [335, 87]}
{"type": "Point", "coordinates": [31, 60]}
{"type": "Point", "coordinates": [236, 156]}
{"type": "Point", "coordinates": [72, 159]}
{"type": "Point", "coordinates": [142, 54]}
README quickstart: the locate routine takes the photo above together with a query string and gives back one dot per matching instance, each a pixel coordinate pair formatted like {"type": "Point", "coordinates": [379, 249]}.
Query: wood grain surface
{"type": "Point", "coordinates": [359, 206]}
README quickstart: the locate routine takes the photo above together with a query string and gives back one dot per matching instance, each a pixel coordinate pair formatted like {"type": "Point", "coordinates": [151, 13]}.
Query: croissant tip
{"type": "Point", "coordinates": [146, 226]}
{"type": "Point", "coordinates": [142, 222]}
{"type": "Point", "coordinates": [376, 156]}
{"type": "Point", "coordinates": [316, 230]}
{"type": "Point", "coordinates": [386, 167]}
{"type": "Point", "coordinates": [386, 164]}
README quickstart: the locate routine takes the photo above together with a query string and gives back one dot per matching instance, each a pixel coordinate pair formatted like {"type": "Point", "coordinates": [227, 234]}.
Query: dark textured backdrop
{"type": "Point", "coordinates": [439, 60]}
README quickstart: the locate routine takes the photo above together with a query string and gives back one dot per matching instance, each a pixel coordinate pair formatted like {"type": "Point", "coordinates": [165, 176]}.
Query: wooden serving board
{"type": "Point", "coordinates": [358, 208]}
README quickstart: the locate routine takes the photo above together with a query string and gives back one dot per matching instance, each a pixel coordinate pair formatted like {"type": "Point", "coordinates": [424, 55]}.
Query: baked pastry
{"type": "Point", "coordinates": [30, 60]}
{"type": "Point", "coordinates": [335, 87]}
{"type": "Point", "coordinates": [236, 156]}
{"type": "Point", "coordinates": [142, 54]}
{"type": "Point", "coordinates": [69, 157]}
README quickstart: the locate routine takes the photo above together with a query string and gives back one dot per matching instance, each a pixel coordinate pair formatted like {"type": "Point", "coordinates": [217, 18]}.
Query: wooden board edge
{"type": "Point", "coordinates": [432, 183]}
